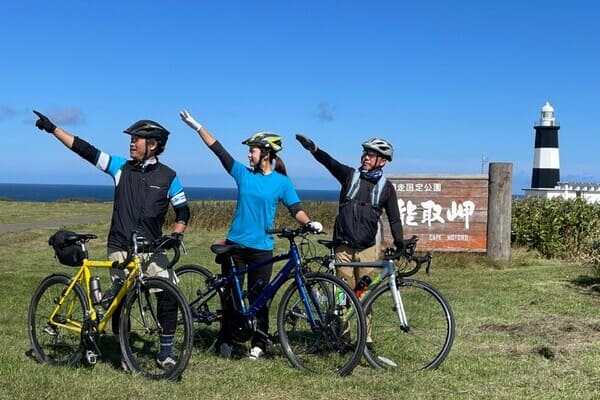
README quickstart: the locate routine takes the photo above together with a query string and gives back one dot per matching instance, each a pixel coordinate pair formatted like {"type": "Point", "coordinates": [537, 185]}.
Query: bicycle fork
{"type": "Point", "coordinates": [398, 305]}
{"type": "Point", "coordinates": [148, 300]}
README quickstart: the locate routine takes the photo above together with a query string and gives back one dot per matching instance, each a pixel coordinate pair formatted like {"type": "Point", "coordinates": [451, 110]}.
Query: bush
{"type": "Point", "coordinates": [210, 215]}
{"type": "Point", "coordinates": [558, 228]}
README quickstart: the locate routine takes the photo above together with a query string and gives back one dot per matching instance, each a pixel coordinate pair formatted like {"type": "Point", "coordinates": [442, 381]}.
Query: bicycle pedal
{"type": "Point", "coordinates": [50, 331]}
{"type": "Point", "coordinates": [91, 357]}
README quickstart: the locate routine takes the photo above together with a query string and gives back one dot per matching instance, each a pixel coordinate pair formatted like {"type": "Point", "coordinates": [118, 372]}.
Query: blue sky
{"type": "Point", "coordinates": [446, 82]}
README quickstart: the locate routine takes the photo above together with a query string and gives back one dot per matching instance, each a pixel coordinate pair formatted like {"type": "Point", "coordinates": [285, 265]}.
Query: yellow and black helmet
{"type": "Point", "coordinates": [267, 140]}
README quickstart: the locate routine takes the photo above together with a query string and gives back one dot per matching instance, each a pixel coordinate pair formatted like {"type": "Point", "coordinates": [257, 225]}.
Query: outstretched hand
{"type": "Point", "coordinates": [189, 120]}
{"type": "Point", "coordinates": [43, 123]}
{"type": "Point", "coordinates": [306, 143]}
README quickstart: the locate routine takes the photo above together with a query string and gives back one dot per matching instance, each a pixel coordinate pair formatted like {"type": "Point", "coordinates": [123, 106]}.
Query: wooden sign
{"type": "Point", "coordinates": [446, 212]}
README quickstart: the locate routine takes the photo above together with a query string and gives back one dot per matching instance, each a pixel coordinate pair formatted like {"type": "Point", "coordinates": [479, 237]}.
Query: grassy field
{"type": "Point", "coordinates": [529, 329]}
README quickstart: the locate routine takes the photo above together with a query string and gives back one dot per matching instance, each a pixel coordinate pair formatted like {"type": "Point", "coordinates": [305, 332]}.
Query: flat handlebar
{"type": "Point", "coordinates": [290, 234]}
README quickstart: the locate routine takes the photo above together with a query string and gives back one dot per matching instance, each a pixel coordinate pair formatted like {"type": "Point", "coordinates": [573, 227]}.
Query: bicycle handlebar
{"type": "Point", "coordinates": [390, 253]}
{"type": "Point", "coordinates": [292, 233]}
{"type": "Point", "coordinates": [426, 259]}
{"type": "Point", "coordinates": [139, 244]}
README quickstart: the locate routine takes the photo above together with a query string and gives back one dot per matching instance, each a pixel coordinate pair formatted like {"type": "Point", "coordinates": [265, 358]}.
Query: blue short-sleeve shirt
{"type": "Point", "coordinates": [257, 201]}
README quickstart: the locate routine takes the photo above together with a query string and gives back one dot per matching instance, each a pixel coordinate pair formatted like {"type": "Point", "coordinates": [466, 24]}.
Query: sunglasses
{"type": "Point", "coordinates": [369, 154]}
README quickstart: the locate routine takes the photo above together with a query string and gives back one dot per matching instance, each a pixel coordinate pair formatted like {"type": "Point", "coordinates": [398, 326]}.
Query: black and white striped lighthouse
{"type": "Point", "coordinates": [546, 165]}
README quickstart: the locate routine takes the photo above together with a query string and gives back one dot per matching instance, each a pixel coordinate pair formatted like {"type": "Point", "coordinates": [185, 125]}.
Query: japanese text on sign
{"type": "Point", "coordinates": [431, 212]}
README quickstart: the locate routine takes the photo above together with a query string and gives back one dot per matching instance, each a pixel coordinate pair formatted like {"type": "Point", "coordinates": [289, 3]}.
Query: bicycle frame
{"type": "Point", "coordinates": [269, 291]}
{"type": "Point", "coordinates": [83, 275]}
{"type": "Point", "coordinates": [387, 272]}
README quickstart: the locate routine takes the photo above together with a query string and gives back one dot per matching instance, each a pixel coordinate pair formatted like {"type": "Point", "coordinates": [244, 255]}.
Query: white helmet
{"type": "Point", "coordinates": [380, 146]}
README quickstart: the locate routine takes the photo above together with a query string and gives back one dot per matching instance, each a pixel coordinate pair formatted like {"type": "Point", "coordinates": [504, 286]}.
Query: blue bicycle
{"type": "Point", "coordinates": [320, 324]}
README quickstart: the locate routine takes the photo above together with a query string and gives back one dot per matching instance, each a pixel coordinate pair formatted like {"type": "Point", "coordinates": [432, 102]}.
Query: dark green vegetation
{"type": "Point", "coordinates": [526, 329]}
{"type": "Point", "coordinates": [565, 229]}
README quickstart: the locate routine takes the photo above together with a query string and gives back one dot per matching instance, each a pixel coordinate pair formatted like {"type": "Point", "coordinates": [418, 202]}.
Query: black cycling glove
{"type": "Point", "coordinates": [43, 123]}
{"type": "Point", "coordinates": [169, 241]}
{"type": "Point", "coordinates": [306, 143]}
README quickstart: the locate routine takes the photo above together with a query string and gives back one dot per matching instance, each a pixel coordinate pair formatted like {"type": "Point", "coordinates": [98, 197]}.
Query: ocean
{"type": "Point", "coordinates": [51, 192]}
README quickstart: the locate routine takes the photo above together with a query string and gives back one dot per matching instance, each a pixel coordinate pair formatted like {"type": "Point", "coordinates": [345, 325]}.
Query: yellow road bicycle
{"type": "Point", "coordinates": [67, 314]}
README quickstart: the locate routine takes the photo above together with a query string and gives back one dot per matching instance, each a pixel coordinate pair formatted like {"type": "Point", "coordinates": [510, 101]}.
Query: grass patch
{"type": "Point", "coordinates": [22, 211]}
{"type": "Point", "coordinates": [526, 329]}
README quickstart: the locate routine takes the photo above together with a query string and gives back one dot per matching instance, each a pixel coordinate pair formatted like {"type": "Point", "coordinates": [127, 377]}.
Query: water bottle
{"type": "Point", "coordinates": [362, 285]}
{"type": "Point", "coordinates": [111, 292]}
{"type": "Point", "coordinates": [95, 290]}
{"type": "Point", "coordinates": [340, 296]}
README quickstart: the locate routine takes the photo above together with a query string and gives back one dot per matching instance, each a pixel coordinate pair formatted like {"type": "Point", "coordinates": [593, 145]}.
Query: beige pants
{"type": "Point", "coordinates": [153, 264]}
{"type": "Point", "coordinates": [353, 274]}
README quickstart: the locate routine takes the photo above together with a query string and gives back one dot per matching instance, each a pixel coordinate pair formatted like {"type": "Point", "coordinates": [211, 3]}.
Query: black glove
{"type": "Point", "coordinates": [43, 123]}
{"type": "Point", "coordinates": [399, 246]}
{"type": "Point", "coordinates": [169, 241]}
{"type": "Point", "coordinates": [306, 143]}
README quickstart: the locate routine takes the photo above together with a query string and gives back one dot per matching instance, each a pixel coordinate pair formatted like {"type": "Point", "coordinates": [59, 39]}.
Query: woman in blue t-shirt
{"type": "Point", "coordinates": [260, 189]}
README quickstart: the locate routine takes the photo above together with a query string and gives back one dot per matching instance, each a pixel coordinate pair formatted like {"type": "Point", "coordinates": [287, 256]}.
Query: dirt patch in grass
{"type": "Point", "coordinates": [548, 338]}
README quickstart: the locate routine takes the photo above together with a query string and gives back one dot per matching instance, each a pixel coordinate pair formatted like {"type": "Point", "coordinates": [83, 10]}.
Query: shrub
{"type": "Point", "coordinates": [558, 228]}
{"type": "Point", "coordinates": [211, 215]}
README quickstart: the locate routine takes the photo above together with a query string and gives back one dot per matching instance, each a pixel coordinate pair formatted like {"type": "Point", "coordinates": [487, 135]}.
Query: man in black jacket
{"type": "Point", "coordinates": [144, 188]}
{"type": "Point", "coordinates": [364, 194]}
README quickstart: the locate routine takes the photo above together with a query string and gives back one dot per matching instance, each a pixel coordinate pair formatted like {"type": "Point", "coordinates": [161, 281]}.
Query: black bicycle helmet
{"type": "Point", "coordinates": [380, 146]}
{"type": "Point", "coordinates": [149, 129]}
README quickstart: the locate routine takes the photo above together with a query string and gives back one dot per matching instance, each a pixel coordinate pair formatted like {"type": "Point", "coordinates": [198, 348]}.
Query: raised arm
{"type": "Point", "coordinates": [44, 124]}
{"type": "Point", "coordinates": [339, 171]}
{"type": "Point", "coordinates": [195, 125]}
{"type": "Point", "coordinates": [209, 140]}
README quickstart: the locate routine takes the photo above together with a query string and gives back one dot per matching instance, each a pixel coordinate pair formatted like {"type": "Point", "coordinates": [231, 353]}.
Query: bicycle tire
{"type": "Point", "coordinates": [50, 343]}
{"type": "Point", "coordinates": [428, 340]}
{"type": "Point", "coordinates": [206, 313]}
{"type": "Point", "coordinates": [337, 346]}
{"type": "Point", "coordinates": [139, 330]}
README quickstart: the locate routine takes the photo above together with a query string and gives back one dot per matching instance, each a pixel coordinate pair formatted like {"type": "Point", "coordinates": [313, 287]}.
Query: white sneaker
{"type": "Point", "coordinates": [256, 353]}
{"type": "Point", "coordinates": [225, 350]}
{"type": "Point", "coordinates": [166, 363]}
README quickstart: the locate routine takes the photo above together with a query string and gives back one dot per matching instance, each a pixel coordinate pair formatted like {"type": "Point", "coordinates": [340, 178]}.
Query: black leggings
{"type": "Point", "coordinates": [257, 279]}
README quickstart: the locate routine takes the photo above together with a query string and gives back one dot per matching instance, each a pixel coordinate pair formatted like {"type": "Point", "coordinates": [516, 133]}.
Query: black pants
{"type": "Point", "coordinates": [257, 279]}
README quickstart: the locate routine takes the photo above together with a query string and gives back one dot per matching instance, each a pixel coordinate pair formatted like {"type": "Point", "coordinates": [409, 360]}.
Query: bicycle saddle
{"type": "Point", "coordinates": [330, 244]}
{"type": "Point", "coordinates": [73, 237]}
{"type": "Point", "coordinates": [227, 248]}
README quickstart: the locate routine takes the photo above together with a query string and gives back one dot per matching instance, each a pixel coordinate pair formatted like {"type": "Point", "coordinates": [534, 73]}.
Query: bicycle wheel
{"type": "Point", "coordinates": [57, 341]}
{"type": "Point", "coordinates": [140, 329]}
{"type": "Point", "coordinates": [424, 343]}
{"type": "Point", "coordinates": [207, 311]}
{"type": "Point", "coordinates": [336, 344]}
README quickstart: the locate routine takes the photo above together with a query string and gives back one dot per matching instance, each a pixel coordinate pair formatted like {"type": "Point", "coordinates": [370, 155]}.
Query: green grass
{"type": "Point", "coordinates": [526, 329]}
{"type": "Point", "coordinates": [22, 212]}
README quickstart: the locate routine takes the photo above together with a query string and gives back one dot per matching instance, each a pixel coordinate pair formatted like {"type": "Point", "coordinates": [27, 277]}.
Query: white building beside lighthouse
{"type": "Point", "coordinates": [545, 176]}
